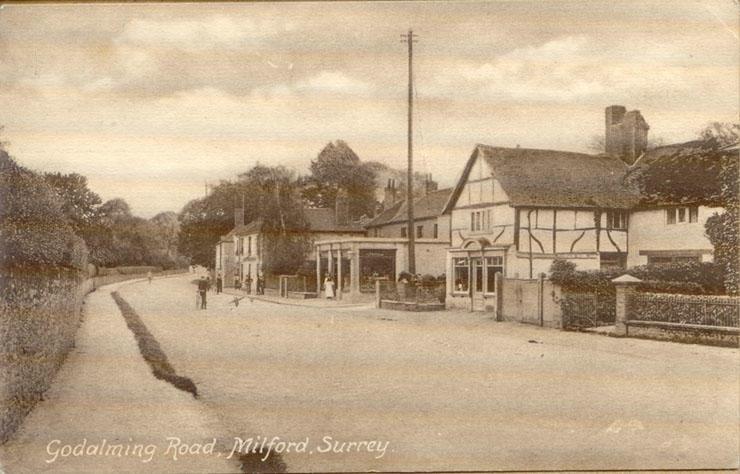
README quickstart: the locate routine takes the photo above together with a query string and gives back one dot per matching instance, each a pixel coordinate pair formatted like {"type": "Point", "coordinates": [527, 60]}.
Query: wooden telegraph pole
{"type": "Point", "coordinates": [410, 39]}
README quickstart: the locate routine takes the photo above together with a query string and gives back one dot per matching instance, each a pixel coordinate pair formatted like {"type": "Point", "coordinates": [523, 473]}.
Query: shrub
{"type": "Point", "coordinates": [405, 275]}
{"type": "Point", "coordinates": [33, 229]}
{"type": "Point", "coordinates": [428, 279]}
{"type": "Point", "coordinates": [687, 277]}
{"type": "Point", "coordinates": [674, 287]}
{"type": "Point", "coordinates": [709, 276]}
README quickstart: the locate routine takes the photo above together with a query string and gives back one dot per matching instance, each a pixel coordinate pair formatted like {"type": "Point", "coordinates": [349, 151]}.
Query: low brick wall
{"type": "Point", "coordinates": [39, 317]}
{"type": "Point", "coordinates": [411, 306]}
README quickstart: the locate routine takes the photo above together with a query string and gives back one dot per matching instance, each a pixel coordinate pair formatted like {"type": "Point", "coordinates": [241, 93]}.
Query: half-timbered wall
{"type": "Point", "coordinates": [566, 233]}
{"type": "Point", "coordinates": [482, 209]}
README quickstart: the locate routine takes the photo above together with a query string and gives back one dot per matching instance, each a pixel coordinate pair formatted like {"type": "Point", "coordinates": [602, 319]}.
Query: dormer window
{"type": "Point", "coordinates": [682, 215]}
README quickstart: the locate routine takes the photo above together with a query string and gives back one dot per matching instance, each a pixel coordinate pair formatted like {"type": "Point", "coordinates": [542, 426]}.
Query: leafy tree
{"type": "Point", "coordinates": [338, 166]}
{"type": "Point", "coordinates": [267, 193]}
{"type": "Point", "coordinates": [33, 227]}
{"type": "Point", "coordinates": [78, 202]}
{"type": "Point", "coordinates": [284, 229]}
{"type": "Point", "coordinates": [720, 134]}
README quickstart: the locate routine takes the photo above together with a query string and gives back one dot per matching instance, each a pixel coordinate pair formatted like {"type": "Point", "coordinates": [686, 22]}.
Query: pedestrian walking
{"type": "Point", "coordinates": [202, 290]}
{"type": "Point", "coordinates": [149, 276]}
{"type": "Point", "coordinates": [219, 284]}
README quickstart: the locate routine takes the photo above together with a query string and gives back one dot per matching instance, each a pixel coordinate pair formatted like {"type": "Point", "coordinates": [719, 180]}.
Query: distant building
{"type": "Point", "coordinates": [248, 239]}
{"type": "Point", "coordinates": [383, 252]}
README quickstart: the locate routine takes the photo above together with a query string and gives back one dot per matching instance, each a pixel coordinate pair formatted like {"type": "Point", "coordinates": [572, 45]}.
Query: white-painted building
{"type": "Point", "coordinates": [515, 210]}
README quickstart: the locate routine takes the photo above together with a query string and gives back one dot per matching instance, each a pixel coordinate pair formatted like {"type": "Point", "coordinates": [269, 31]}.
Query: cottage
{"type": "Point", "coordinates": [679, 190]}
{"type": "Point", "coordinates": [515, 210]}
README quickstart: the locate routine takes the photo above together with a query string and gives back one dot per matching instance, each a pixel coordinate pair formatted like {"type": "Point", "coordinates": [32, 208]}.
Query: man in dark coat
{"type": "Point", "coordinates": [202, 291]}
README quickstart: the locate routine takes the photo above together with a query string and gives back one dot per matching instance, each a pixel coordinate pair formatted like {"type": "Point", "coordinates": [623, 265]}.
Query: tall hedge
{"type": "Point", "coordinates": [722, 229]}
{"type": "Point", "coordinates": [33, 229]}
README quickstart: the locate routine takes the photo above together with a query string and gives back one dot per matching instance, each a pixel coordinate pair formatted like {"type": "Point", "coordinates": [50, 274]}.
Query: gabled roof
{"type": "Point", "coordinates": [548, 178]}
{"type": "Point", "coordinates": [324, 220]}
{"type": "Point", "coordinates": [425, 207]}
{"type": "Point", "coordinates": [249, 228]}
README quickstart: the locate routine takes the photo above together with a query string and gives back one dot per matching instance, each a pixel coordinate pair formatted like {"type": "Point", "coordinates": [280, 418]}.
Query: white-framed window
{"type": "Point", "coordinates": [461, 274]}
{"type": "Point", "coordinates": [682, 215]}
{"type": "Point", "coordinates": [476, 220]}
{"type": "Point", "coordinates": [493, 265]}
{"type": "Point", "coordinates": [403, 232]}
{"type": "Point", "coordinates": [419, 231]}
{"type": "Point", "coordinates": [616, 220]}
{"type": "Point", "coordinates": [249, 245]}
{"type": "Point", "coordinates": [436, 231]}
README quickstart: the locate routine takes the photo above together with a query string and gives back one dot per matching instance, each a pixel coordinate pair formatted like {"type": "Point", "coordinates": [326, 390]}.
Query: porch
{"type": "Point", "coordinates": [356, 263]}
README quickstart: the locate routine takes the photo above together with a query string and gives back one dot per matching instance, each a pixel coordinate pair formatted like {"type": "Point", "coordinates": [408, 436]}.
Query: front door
{"type": "Point", "coordinates": [477, 301]}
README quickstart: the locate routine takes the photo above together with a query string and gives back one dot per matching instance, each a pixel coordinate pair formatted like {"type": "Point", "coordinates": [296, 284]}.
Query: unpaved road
{"type": "Point", "coordinates": [445, 390]}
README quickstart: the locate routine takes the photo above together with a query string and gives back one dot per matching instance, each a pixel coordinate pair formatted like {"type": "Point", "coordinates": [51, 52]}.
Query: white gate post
{"type": "Point", "coordinates": [625, 286]}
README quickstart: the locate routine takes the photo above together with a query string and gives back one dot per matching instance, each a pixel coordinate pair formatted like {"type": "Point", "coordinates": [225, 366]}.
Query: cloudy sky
{"type": "Point", "coordinates": [150, 101]}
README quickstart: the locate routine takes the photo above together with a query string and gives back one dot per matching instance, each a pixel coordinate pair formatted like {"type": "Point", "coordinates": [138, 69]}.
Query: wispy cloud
{"type": "Point", "coordinates": [566, 69]}
{"type": "Point", "coordinates": [216, 31]}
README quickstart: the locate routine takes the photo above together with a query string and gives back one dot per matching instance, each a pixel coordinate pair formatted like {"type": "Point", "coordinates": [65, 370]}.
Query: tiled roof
{"type": "Point", "coordinates": [425, 207]}
{"type": "Point", "coordinates": [548, 178]}
{"type": "Point", "coordinates": [249, 228]}
{"type": "Point", "coordinates": [324, 220]}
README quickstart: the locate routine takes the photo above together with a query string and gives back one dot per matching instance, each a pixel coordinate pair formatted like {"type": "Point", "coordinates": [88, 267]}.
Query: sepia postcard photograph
{"type": "Point", "coordinates": [369, 236]}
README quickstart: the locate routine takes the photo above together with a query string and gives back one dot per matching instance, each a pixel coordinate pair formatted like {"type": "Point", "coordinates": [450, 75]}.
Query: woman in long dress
{"type": "Point", "coordinates": [329, 287]}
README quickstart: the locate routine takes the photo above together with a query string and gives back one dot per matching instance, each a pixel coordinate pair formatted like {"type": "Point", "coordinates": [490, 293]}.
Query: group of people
{"type": "Point", "coordinates": [205, 285]}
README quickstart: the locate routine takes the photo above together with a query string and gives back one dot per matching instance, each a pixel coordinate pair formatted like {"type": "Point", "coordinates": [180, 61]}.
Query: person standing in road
{"type": "Point", "coordinates": [219, 283]}
{"type": "Point", "coordinates": [202, 291]}
{"type": "Point", "coordinates": [329, 287]}
{"type": "Point", "coordinates": [149, 276]}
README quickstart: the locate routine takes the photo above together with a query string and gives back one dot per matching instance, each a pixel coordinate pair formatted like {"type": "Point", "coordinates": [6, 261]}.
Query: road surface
{"type": "Point", "coordinates": [442, 391]}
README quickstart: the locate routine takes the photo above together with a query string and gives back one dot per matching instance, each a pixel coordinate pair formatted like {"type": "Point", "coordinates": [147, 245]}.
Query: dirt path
{"type": "Point", "coordinates": [446, 390]}
{"type": "Point", "coordinates": [105, 396]}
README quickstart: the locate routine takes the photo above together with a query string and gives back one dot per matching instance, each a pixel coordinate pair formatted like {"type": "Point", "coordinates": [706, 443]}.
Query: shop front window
{"type": "Point", "coordinates": [461, 274]}
{"type": "Point", "coordinates": [493, 265]}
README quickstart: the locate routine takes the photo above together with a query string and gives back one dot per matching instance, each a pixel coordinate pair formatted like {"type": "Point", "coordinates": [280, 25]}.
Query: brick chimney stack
{"type": "Point", "coordinates": [625, 133]}
{"type": "Point", "coordinates": [429, 184]}
{"type": "Point", "coordinates": [390, 194]}
{"type": "Point", "coordinates": [341, 210]}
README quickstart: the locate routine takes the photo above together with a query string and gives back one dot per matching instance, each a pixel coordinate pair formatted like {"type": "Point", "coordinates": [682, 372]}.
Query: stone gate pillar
{"type": "Point", "coordinates": [625, 286]}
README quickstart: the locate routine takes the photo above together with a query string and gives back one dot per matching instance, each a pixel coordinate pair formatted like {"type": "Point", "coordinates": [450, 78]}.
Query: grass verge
{"type": "Point", "coordinates": [151, 350]}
